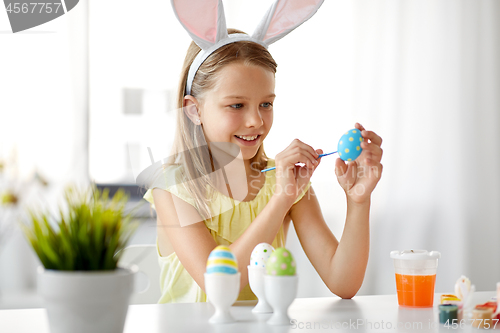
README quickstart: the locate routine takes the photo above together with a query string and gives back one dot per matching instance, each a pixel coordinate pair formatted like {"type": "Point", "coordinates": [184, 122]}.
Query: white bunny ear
{"type": "Point", "coordinates": [204, 20]}
{"type": "Point", "coordinates": [284, 16]}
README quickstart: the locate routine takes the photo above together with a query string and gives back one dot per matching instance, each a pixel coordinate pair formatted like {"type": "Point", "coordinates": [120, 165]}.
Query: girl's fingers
{"type": "Point", "coordinates": [306, 158]}
{"type": "Point", "coordinates": [359, 126]}
{"type": "Point", "coordinates": [319, 152]}
{"type": "Point", "coordinates": [308, 151]}
{"type": "Point", "coordinates": [313, 162]}
{"type": "Point", "coordinates": [306, 147]}
{"type": "Point", "coordinates": [372, 136]}
{"type": "Point", "coordinates": [318, 159]}
{"type": "Point", "coordinates": [340, 167]}
{"type": "Point", "coordinates": [300, 157]}
{"type": "Point", "coordinates": [373, 149]}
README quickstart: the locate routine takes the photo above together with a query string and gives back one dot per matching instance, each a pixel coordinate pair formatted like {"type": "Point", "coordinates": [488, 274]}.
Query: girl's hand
{"type": "Point", "coordinates": [358, 178]}
{"type": "Point", "coordinates": [292, 179]}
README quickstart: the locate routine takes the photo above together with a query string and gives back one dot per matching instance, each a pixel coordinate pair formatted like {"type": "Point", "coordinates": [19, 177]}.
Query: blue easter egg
{"type": "Point", "coordinates": [349, 147]}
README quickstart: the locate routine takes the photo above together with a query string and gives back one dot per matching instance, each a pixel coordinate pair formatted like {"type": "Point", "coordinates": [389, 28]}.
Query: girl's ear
{"type": "Point", "coordinates": [191, 109]}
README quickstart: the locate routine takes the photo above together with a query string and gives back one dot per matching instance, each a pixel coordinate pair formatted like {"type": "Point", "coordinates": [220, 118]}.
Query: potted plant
{"type": "Point", "coordinates": [83, 288]}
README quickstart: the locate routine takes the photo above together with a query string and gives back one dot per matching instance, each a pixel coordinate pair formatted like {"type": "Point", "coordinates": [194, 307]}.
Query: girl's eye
{"type": "Point", "coordinates": [236, 106]}
{"type": "Point", "coordinates": [267, 105]}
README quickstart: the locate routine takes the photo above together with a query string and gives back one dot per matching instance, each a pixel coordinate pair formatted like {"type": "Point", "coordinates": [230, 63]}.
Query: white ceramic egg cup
{"type": "Point", "coordinates": [280, 293]}
{"type": "Point", "coordinates": [256, 282]}
{"type": "Point", "coordinates": [222, 291]}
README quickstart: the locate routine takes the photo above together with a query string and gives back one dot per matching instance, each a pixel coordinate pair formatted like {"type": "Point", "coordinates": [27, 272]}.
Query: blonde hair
{"type": "Point", "coordinates": [198, 162]}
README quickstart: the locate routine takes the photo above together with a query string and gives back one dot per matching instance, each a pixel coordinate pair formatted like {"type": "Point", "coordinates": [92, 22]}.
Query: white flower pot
{"type": "Point", "coordinates": [86, 301]}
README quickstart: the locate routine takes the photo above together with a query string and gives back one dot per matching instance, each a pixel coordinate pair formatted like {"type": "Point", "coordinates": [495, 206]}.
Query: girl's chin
{"type": "Point", "coordinates": [249, 155]}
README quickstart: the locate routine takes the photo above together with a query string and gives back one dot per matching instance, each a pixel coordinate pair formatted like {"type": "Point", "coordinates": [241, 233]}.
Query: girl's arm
{"type": "Point", "coordinates": [342, 264]}
{"type": "Point", "coordinates": [194, 243]}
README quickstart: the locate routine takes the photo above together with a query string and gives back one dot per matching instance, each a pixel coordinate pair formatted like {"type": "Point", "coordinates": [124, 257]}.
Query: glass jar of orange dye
{"type": "Point", "coordinates": [415, 277]}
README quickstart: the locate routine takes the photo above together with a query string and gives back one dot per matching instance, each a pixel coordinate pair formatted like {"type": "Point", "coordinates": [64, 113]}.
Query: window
{"type": "Point", "coordinates": [133, 75]}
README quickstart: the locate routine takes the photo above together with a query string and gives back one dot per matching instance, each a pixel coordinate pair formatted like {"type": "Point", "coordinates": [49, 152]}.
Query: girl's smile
{"type": "Point", "coordinates": [247, 141]}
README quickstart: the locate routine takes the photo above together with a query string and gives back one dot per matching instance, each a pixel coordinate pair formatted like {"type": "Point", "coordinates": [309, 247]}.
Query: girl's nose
{"type": "Point", "coordinates": [254, 118]}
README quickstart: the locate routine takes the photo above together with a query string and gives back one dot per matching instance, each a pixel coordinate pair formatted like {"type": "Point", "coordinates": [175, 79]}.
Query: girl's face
{"type": "Point", "coordinates": [240, 107]}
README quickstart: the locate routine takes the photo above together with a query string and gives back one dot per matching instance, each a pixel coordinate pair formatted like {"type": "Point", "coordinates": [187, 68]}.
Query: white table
{"type": "Point", "coordinates": [327, 314]}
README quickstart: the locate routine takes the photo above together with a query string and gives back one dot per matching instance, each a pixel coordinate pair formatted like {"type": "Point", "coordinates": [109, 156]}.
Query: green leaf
{"type": "Point", "coordinates": [91, 228]}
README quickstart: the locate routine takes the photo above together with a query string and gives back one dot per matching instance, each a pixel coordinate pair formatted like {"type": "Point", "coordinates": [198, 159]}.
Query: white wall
{"type": "Point", "coordinates": [42, 127]}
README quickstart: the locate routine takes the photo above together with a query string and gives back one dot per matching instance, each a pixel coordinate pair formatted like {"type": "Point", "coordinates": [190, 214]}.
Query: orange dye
{"type": "Point", "coordinates": [415, 290]}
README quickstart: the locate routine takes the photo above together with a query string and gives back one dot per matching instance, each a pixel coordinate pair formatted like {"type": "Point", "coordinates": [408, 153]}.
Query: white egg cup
{"type": "Point", "coordinates": [256, 282]}
{"type": "Point", "coordinates": [280, 293]}
{"type": "Point", "coordinates": [222, 291]}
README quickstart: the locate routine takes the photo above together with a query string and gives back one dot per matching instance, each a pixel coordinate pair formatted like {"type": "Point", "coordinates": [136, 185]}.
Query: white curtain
{"type": "Point", "coordinates": [429, 72]}
{"type": "Point", "coordinates": [425, 75]}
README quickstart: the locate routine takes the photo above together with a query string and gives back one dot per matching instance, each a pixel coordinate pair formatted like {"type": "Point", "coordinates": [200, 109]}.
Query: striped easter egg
{"type": "Point", "coordinates": [222, 261]}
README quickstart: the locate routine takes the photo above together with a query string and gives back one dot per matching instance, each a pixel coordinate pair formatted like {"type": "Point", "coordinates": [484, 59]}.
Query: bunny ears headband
{"type": "Point", "coordinates": [205, 22]}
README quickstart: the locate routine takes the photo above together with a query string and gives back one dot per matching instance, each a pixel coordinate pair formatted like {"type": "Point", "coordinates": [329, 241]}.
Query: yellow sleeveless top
{"type": "Point", "coordinates": [176, 285]}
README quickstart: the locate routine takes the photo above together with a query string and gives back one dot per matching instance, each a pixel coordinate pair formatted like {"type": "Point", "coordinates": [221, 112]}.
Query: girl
{"type": "Point", "coordinates": [230, 100]}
